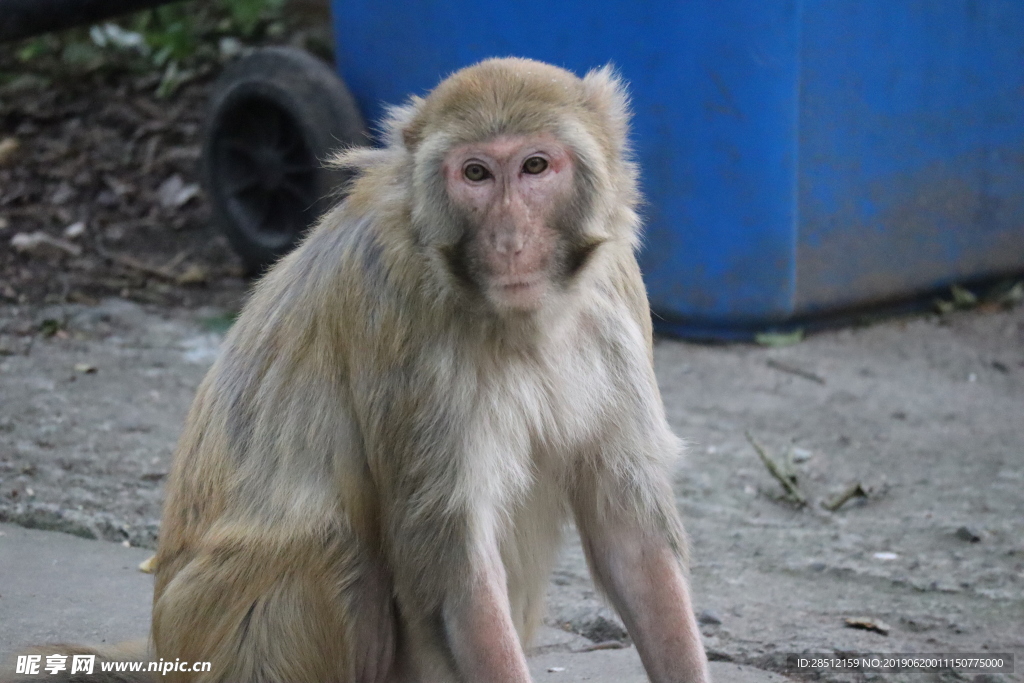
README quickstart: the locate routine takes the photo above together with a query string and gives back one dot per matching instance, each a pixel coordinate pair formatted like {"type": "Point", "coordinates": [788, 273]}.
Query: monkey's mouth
{"type": "Point", "coordinates": [519, 286]}
{"type": "Point", "coordinates": [520, 292]}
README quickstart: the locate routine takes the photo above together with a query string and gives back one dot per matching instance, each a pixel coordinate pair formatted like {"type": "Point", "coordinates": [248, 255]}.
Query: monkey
{"type": "Point", "coordinates": [375, 474]}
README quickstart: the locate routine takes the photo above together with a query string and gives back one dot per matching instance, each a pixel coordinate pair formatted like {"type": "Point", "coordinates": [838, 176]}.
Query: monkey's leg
{"type": "Point", "coordinates": [304, 611]}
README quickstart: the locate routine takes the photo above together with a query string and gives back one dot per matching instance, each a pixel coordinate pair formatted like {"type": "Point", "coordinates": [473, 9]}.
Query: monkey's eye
{"type": "Point", "coordinates": [535, 165]}
{"type": "Point", "coordinates": [475, 172]}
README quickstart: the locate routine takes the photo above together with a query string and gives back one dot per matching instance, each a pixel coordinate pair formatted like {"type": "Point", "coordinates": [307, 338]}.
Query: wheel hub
{"type": "Point", "coordinates": [268, 171]}
{"type": "Point", "coordinates": [269, 168]}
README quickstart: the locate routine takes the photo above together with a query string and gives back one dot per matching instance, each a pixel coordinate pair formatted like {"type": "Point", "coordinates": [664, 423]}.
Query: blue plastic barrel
{"type": "Point", "coordinates": [798, 157]}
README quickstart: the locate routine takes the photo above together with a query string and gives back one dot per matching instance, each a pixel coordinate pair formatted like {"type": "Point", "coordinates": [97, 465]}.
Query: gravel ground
{"type": "Point", "coordinates": [924, 413]}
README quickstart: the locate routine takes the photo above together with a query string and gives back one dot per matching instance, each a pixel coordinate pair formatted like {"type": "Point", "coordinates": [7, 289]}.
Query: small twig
{"type": "Point", "coordinates": [177, 260]}
{"type": "Point", "coordinates": [787, 482]}
{"type": "Point", "coordinates": [135, 264]}
{"type": "Point", "coordinates": [793, 370]}
{"type": "Point", "coordinates": [603, 645]}
{"type": "Point", "coordinates": [149, 155]}
{"type": "Point", "coordinates": [854, 490]}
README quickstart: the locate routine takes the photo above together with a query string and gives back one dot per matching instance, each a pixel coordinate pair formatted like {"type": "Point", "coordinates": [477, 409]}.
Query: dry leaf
{"type": "Point", "coordinates": [148, 566]}
{"type": "Point", "coordinates": [39, 243]}
{"type": "Point", "coordinates": [868, 624]}
{"type": "Point", "coordinates": [174, 193]}
{"type": "Point", "coordinates": [75, 230]}
{"type": "Point", "coordinates": [8, 148]}
{"type": "Point", "coordinates": [193, 275]}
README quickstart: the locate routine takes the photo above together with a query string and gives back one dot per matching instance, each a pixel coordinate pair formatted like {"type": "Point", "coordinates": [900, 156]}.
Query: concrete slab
{"type": "Point", "coordinates": [623, 666]}
{"type": "Point", "coordinates": [55, 588]}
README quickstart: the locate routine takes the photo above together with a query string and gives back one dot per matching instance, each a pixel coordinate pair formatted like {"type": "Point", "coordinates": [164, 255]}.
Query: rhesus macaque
{"type": "Point", "coordinates": [374, 474]}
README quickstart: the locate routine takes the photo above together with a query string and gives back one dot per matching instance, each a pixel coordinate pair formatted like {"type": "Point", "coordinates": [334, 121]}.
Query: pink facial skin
{"type": "Point", "coordinates": [511, 199]}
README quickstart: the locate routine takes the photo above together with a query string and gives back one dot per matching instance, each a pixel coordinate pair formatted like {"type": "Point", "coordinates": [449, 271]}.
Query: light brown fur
{"type": "Point", "coordinates": [374, 475]}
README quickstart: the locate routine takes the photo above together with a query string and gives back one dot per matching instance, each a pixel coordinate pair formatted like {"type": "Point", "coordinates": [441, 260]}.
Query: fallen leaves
{"type": "Point", "coordinates": [1004, 294]}
{"type": "Point", "coordinates": [102, 164]}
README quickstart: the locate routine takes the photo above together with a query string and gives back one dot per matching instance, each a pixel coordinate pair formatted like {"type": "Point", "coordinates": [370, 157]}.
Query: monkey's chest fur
{"type": "Point", "coordinates": [472, 452]}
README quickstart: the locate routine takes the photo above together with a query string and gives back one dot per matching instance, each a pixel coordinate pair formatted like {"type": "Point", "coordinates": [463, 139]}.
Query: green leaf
{"type": "Point", "coordinates": [247, 14]}
{"type": "Point", "coordinates": [1006, 294]}
{"type": "Point", "coordinates": [962, 297]}
{"type": "Point", "coordinates": [50, 327]}
{"type": "Point", "coordinates": [37, 47]}
{"type": "Point", "coordinates": [173, 78]}
{"type": "Point", "coordinates": [171, 33]}
{"type": "Point", "coordinates": [779, 339]}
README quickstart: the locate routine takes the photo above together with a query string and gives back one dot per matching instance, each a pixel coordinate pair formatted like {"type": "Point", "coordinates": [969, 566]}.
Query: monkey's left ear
{"type": "Point", "coordinates": [393, 130]}
{"type": "Point", "coordinates": [606, 94]}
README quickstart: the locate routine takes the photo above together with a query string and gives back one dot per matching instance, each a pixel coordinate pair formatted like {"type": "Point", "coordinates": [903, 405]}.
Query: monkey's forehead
{"type": "Point", "coordinates": [512, 73]}
{"type": "Point", "coordinates": [500, 97]}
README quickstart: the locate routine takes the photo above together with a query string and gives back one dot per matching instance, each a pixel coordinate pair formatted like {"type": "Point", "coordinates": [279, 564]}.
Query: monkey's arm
{"type": "Point", "coordinates": [479, 628]}
{"type": "Point", "coordinates": [643, 576]}
{"type": "Point", "coordinates": [632, 534]}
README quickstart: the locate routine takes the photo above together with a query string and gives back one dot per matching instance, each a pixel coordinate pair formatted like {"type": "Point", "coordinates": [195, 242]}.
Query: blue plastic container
{"type": "Point", "coordinates": [798, 156]}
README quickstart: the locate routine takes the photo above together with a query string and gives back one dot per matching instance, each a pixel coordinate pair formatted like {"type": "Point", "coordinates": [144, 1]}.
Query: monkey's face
{"type": "Point", "coordinates": [511, 193]}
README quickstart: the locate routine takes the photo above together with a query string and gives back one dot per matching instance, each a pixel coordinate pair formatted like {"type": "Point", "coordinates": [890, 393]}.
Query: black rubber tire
{"type": "Point", "coordinates": [274, 117]}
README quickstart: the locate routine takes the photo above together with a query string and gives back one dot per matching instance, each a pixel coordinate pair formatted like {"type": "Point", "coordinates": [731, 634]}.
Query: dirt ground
{"type": "Point", "coordinates": [95, 156]}
{"type": "Point", "coordinates": [102, 164]}
{"type": "Point", "coordinates": [924, 412]}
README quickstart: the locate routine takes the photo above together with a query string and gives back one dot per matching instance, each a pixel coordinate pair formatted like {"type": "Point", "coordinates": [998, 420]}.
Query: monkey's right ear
{"type": "Point", "coordinates": [606, 94]}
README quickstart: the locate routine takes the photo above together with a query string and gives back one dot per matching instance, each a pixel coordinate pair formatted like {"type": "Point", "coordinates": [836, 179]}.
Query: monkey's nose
{"type": "Point", "coordinates": [510, 243]}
